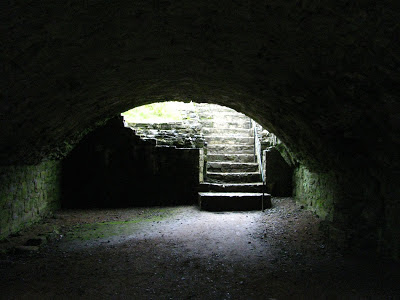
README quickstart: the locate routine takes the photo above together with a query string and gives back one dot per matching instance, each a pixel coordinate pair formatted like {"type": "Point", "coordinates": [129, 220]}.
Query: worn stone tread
{"type": "Point", "coordinates": [234, 173]}
{"type": "Point", "coordinates": [228, 130]}
{"type": "Point", "coordinates": [227, 124]}
{"type": "Point", "coordinates": [233, 177]}
{"type": "Point", "coordinates": [232, 167]}
{"type": "Point", "coordinates": [233, 157]}
{"type": "Point", "coordinates": [230, 149]}
{"type": "Point", "coordinates": [233, 201]}
{"type": "Point", "coordinates": [237, 184]}
{"type": "Point", "coordinates": [230, 194]}
{"type": "Point", "coordinates": [229, 140]}
{"type": "Point", "coordinates": [252, 187]}
{"type": "Point", "coordinates": [234, 163]}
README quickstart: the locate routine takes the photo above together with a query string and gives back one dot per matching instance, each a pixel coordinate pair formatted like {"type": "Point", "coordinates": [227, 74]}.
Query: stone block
{"type": "Point", "coordinates": [22, 191]}
{"type": "Point", "coordinates": [233, 201]}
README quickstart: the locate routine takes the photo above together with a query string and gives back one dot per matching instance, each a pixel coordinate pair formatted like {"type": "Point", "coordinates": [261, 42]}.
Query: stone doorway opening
{"type": "Point", "coordinates": [175, 153]}
{"type": "Point", "coordinates": [232, 148]}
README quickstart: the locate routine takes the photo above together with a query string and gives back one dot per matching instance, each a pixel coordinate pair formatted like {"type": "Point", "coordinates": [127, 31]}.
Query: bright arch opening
{"type": "Point", "coordinates": [233, 150]}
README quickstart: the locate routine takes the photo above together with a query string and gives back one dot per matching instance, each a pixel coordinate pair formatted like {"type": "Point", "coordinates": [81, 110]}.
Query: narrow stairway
{"type": "Point", "coordinates": [233, 178]}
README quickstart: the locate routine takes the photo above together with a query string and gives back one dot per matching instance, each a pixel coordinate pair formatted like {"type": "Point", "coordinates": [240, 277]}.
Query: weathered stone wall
{"type": "Point", "coordinates": [26, 194]}
{"type": "Point", "coordinates": [184, 134]}
{"type": "Point", "coordinates": [353, 206]}
{"type": "Point", "coordinates": [176, 134]}
{"type": "Point", "coordinates": [112, 167]}
{"type": "Point", "coordinates": [316, 192]}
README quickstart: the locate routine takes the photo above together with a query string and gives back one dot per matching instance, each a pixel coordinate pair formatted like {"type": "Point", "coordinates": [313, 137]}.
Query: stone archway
{"type": "Point", "coordinates": [322, 76]}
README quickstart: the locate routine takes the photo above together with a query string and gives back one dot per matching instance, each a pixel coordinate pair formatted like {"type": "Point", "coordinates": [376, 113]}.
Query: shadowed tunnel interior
{"type": "Point", "coordinates": [321, 75]}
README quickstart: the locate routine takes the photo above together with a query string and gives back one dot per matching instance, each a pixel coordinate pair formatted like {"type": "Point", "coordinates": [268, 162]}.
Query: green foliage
{"type": "Point", "coordinates": [92, 231]}
{"type": "Point", "coordinates": [155, 113]}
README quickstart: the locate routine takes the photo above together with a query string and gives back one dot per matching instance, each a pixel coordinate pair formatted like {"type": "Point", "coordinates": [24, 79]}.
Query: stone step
{"type": "Point", "coordinates": [231, 167]}
{"type": "Point", "coordinates": [228, 131]}
{"type": "Point", "coordinates": [220, 122]}
{"type": "Point", "coordinates": [225, 124]}
{"type": "Point", "coordinates": [231, 140]}
{"type": "Point", "coordinates": [238, 177]}
{"type": "Point", "coordinates": [231, 157]}
{"type": "Point", "coordinates": [226, 117]}
{"type": "Point", "coordinates": [213, 107]}
{"type": "Point", "coordinates": [219, 113]}
{"type": "Point", "coordinates": [252, 187]}
{"type": "Point", "coordinates": [230, 149]}
{"type": "Point", "coordinates": [213, 201]}
{"type": "Point", "coordinates": [213, 112]}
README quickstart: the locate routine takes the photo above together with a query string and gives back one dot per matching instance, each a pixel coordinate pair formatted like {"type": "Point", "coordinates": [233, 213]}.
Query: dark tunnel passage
{"type": "Point", "coordinates": [322, 76]}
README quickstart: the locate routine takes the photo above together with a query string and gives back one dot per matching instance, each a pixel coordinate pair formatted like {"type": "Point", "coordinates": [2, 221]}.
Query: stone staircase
{"type": "Point", "coordinates": [233, 179]}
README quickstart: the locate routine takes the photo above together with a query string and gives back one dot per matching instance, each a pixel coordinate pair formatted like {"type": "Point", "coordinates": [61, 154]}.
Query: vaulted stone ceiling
{"type": "Point", "coordinates": [322, 75]}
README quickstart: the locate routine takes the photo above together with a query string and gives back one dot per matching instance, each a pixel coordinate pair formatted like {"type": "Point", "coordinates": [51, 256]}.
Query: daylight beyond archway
{"type": "Point", "coordinates": [178, 153]}
{"type": "Point", "coordinates": [233, 152]}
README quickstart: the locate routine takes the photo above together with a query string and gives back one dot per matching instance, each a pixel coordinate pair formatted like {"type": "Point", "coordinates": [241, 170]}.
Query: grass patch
{"type": "Point", "coordinates": [107, 229]}
{"type": "Point", "coordinates": [162, 112]}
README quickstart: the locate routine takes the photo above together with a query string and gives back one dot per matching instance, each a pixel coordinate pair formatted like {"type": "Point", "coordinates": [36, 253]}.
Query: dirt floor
{"type": "Point", "coordinates": [184, 253]}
